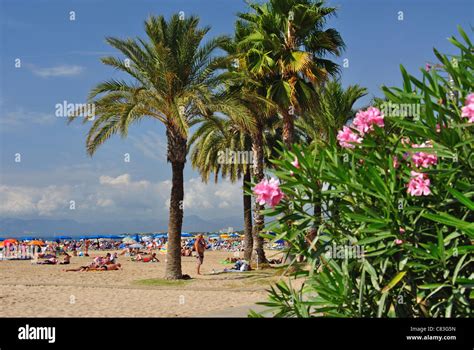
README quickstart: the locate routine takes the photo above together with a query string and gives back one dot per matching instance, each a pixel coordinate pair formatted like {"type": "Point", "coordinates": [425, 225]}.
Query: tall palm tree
{"type": "Point", "coordinates": [333, 107]}
{"type": "Point", "coordinates": [172, 76]}
{"type": "Point", "coordinates": [287, 47]}
{"type": "Point", "coordinates": [211, 144]}
{"type": "Point", "coordinates": [250, 93]}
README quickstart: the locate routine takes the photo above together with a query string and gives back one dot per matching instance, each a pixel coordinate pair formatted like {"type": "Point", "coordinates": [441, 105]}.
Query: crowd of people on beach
{"type": "Point", "coordinates": [106, 263]}
{"type": "Point", "coordinates": [140, 249]}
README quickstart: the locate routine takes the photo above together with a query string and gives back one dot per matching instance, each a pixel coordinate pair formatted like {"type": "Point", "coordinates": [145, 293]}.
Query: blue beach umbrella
{"type": "Point", "coordinates": [186, 235]}
{"type": "Point", "coordinates": [113, 237]}
{"type": "Point", "coordinates": [63, 237]}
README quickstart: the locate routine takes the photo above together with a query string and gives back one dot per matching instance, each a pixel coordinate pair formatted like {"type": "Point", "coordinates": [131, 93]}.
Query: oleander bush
{"type": "Point", "coordinates": [382, 214]}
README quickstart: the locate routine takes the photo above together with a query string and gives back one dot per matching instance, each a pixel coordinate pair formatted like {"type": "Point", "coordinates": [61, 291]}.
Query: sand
{"type": "Point", "coordinates": [28, 290]}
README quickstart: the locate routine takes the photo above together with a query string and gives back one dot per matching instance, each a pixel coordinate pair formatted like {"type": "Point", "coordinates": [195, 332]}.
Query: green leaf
{"type": "Point", "coordinates": [398, 277]}
{"type": "Point", "coordinates": [462, 198]}
{"type": "Point", "coordinates": [367, 240]}
{"type": "Point", "coordinates": [381, 304]}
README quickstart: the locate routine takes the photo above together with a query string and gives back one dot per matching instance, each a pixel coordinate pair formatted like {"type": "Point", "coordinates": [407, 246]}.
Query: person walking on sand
{"type": "Point", "coordinates": [199, 247]}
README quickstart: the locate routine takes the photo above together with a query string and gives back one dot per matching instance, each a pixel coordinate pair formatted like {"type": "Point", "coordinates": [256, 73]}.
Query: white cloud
{"type": "Point", "coordinates": [21, 117]}
{"type": "Point", "coordinates": [120, 197]}
{"type": "Point", "coordinates": [45, 201]}
{"type": "Point", "coordinates": [58, 71]}
{"type": "Point", "coordinates": [119, 180]}
{"type": "Point", "coordinates": [105, 202]}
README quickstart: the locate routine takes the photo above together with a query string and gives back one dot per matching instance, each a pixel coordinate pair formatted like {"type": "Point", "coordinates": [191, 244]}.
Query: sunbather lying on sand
{"type": "Point", "coordinates": [46, 255]}
{"type": "Point", "coordinates": [110, 267]}
{"type": "Point", "coordinates": [240, 266]}
{"type": "Point", "coordinates": [151, 258]}
{"type": "Point", "coordinates": [50, 261]}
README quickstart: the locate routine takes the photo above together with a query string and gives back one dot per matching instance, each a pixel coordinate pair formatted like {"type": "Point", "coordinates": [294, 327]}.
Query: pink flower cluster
{"type": "Point", "coordinates": [419, 184]}
{"type": "Point", "coordinates": [268, 192]}
{"type": "Point", "coordinates": [363, 122]}
{"type": "Point", "coordinates": [347, 137]}
{"type": "Point", "coordinates": [468, 110]}
{"type": "Point", "coordinates": [422, 159]}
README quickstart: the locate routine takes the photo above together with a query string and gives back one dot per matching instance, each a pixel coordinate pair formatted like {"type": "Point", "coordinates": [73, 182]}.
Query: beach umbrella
{"type": "Point", "coordinates": [36, 242]}
{"type": "Point", "coordinates": [2, 239]}
{"type": "Point", "coordinates": [27, 238]}
{"type": "Point", "coordinates": [234, 235]}
{"type": "Point", "coordinates": [186, 235]}
{"type": "Point", "coordinates": [113, 237]}
{"type": "Point", "coordinates": [136, 245]}
{"type": "Point", "coordinates": [224, 236]}
{"type": "Point", "coordinates": [147, 238]}
{"type": "Point", "coordinates": [161, 235]}
{"type": "Point", "coordinates": [129, 240]}
{"type": "Point", "coordinates": [10, 240]}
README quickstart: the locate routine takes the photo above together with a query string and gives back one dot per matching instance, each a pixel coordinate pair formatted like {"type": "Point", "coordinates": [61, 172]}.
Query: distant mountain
{"type": "Point", "coordinates": [15, 227]}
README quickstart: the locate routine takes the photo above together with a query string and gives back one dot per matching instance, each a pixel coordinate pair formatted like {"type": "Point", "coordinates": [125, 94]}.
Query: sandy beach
{"type": "Point", "coordinates": [28, 290]}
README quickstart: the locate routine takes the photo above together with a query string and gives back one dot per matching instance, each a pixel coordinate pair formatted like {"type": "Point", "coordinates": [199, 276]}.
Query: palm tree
{"type": "Point", "coordinates": [212, 143]}
{"type": "Point", "coordinates": [250, 93]}
{"type": "Point", "coordinates": [286, 46]}
{"type": "Point", "coordinates": [333, 108]}
{"type": "Point", "coordinates": [172, 80]}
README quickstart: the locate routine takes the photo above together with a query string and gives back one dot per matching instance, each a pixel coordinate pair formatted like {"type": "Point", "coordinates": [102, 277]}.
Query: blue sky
{"type": "Point", "coordinates": [60, 62]}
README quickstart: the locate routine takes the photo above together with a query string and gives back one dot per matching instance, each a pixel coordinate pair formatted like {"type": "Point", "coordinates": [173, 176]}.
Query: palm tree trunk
{"type": "Point", "coordinates": [177, 157]}
{"type": "Point", "coordinates": [288, 128]}
{"type": "Point", "coordinates": [248, 239]}
{"type": "Point", "coordinates": [259, 220]}
{"type": "Point", "coordinates": [318, 205]}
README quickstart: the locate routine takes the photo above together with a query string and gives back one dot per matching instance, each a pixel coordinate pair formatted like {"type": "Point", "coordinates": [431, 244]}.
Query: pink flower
{"type": "Point", "coordinates": [268, 192]}
{"type": "Point", "coordinates": [470, 99]}
{"type": "Point", "coordinates": [295, 163]}
{"type": "Point", "coordinates": [468, 110]}
{"type": "Point", "coordinates": [402, 230]}
{"type": "Point", "coordinates": [360, 122]}
{"type": "Point", "coordinates": [419, 184]}
{"type": "Point", "coordinates": [417, 175]}
{"type": "Point", "coordinates": [422, 159]}
{"type": "Point", "coordinates": [347, 137]}
{"type": "Point", "coordinates": [398, 241]}
{"type": "Point", "coordinates": [427, 67]}
{"type": "Point", "coordinates": [375, 117]}
{"type": "Point", "coordinates": [438, 128]}
{"type": "Point", "coordinates": [365, 120]}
